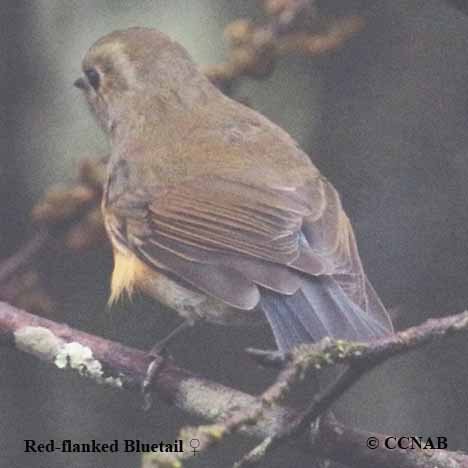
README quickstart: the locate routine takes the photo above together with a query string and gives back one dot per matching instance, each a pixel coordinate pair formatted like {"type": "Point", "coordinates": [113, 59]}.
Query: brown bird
{"type": "Point", "coordinates": [214, 210]}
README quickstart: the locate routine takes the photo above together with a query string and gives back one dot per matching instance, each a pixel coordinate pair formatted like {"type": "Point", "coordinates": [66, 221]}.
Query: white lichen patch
{"type": "Point", "coordinates": [76, 356]}
{"type": "Point", "coordinates": [42, 343]}
{"type": "Point", "coordinates": [39, 341]}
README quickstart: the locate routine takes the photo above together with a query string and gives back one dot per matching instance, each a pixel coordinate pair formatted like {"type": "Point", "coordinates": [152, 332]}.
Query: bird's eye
{"type": "Point", "coordinates": [93, 78]}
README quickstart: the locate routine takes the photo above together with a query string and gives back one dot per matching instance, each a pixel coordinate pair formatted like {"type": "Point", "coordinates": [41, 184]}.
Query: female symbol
{"type": "Point", "coordinates": [194, 443]}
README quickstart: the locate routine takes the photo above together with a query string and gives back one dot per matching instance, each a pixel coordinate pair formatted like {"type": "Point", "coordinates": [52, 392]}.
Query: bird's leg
{"type": "Point", "coordinates": [158, 350]}
{"type": "Point", "coordinates": [161, 345]}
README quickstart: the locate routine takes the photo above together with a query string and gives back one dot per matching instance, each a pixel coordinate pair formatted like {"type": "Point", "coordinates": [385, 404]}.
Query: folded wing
{"type": "Point", "coordinates": [249, 244]}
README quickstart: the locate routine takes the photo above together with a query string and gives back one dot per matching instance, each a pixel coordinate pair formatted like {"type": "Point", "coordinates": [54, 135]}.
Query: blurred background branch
{"type": "Point", "coordinates": [66, 218]}
{"type": "Point", "coordinates": [294, 28]}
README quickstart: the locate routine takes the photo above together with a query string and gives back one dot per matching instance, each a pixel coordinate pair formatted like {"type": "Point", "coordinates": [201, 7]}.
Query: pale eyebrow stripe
{"type": "Point", "coordinates": [116, 50]}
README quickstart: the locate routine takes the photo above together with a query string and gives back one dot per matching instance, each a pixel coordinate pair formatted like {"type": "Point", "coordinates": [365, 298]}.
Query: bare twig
{"type": "Point", "coordinates": [22, 257]}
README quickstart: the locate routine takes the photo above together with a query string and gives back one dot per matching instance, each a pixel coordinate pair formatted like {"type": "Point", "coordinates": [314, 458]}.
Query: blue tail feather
{"type": "Point", "coordinates": [321, 308]}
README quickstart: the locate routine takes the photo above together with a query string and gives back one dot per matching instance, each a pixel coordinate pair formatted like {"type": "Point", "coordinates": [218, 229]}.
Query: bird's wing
{"type": "Point", "coordinates": [226, 237]}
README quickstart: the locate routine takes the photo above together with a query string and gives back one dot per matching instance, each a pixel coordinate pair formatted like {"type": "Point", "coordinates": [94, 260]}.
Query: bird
{"type": "Point", "coordinates": [215, 211]}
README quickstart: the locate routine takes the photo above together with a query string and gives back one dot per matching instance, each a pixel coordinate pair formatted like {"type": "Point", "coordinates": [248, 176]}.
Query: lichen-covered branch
{"type": "Point", "coordinates": [360, 358]}
{"type": "Point", "coordinates": [113, 364]}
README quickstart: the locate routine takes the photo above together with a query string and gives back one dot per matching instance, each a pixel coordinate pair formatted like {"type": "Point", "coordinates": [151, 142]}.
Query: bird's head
{"type": "Point", "coordinates": [133, 73]}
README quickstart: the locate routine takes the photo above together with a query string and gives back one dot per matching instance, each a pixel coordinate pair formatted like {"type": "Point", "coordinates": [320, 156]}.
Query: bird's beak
{"type": "Point", "coordinates": [81, 83]}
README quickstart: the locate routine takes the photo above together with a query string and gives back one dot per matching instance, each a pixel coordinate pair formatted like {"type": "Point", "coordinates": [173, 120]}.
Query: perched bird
{"type": "Point", "coordinates": [214, 210]}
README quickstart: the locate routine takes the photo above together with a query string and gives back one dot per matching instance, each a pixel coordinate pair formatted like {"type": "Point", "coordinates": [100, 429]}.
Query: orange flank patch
{"type": "Point", "coordinates": [128, 273]}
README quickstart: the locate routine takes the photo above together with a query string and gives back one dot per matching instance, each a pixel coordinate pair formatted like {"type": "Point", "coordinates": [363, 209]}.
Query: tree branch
{"type": "Point", "coordinates": [361, 358]}
{"type": "Point", "coordinates": [123, 367]}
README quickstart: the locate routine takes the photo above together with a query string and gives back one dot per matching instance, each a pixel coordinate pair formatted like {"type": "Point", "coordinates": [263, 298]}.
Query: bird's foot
{"type": "Point", "coordinates": [267, 358]}
{"type": "Point", "coordinates": [159, 352]}
{"type": "Point", "coordinates": [153, 369]}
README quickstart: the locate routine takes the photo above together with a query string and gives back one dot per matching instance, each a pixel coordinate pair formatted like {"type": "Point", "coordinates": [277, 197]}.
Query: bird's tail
{"type": "Point", "coordinates": [322, 308]}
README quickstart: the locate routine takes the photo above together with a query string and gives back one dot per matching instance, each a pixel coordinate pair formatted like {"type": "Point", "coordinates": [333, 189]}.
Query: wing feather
{"type": "Point", "coordinates": [226, 237]}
